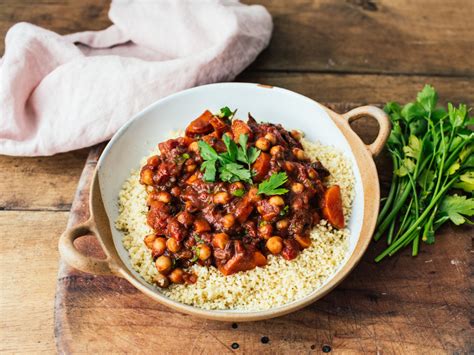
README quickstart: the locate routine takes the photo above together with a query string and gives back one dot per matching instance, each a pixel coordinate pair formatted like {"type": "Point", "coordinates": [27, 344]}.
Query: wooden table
{"type": "Point", "coordinates": [354, 51]}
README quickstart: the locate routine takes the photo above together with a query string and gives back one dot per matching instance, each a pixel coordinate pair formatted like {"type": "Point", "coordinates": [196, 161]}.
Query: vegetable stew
{"type": "Point", "coordinates": [229, 193]}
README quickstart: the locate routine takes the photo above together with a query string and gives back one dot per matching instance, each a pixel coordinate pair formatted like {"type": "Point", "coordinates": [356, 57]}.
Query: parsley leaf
{"type": "Point", "coordinates": [271, 186]}
{"type": "Point", "coordinates": [207, 152]}
{"type": "Point", "coordinates": [455, 208]}
{"type": "Point", "coordinates": [245, 155]}
{"type": "Point", "coordinates": [231, 148]}
{"type": "Point", "coordinates": [209, 168]}
{"type": "Point", "coordinates": [227, 163]}
{"type": "Point", "coordinates": [226, 112]}
{"type": "Point", "coordinates": [232, 172]}
{"type": "Point", "coordinates": [238, 193]}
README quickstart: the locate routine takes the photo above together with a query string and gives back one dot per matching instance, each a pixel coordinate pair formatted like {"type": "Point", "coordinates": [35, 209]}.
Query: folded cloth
{"type": "Point", "coordinates": [59, 93]}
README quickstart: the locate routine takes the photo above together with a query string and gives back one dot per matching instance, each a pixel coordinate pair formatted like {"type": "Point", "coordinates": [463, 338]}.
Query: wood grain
{"type": "Point", "coordinates": [40, 183]}
{"type": "Point", "coordinates": [403, 305]}
{"type": "Point", "coordinates": [323, 49]}
{"type": "Point", "coordinates": [364, 36]}
{"type": "Point", "coordinates": [371, 36]}
{"type": "Point", "coordinates": [28, 265]}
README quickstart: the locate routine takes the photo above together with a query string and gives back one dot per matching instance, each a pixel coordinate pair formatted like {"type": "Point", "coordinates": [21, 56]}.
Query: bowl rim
{"type": "Point", "coordinates": [369, 180]}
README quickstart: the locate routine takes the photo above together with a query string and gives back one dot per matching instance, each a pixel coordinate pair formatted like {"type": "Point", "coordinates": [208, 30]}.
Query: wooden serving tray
{"type": "Point", "coordinates": [404, 304]}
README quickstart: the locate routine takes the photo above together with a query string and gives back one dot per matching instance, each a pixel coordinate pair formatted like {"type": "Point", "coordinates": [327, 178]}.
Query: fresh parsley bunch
{"type": "Point", "coordinates": [432, 152]}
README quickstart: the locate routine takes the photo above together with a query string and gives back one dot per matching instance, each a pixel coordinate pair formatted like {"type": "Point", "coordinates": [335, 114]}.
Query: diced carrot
{"type": "Point", "coordinates": [192, 179]}
{"type": "Point", "coordinates": [261, 166]}
{"type": "Point", "coordinates": [200, 125]}
{"type": "Point", "coordinates": [332, 209]}
{"type": "Point", "coordinates": [243, 209]}
{"type": "Point", "coordinates": [259, 259]}
{"type": "Point", "coordinates": [201, 225]}
{"type": "Point", "coordinates": [219, 126]}
{"type": "Point", "coordinates": [240, 127]}
{"type": "Point", "coordinates": [303, 241]}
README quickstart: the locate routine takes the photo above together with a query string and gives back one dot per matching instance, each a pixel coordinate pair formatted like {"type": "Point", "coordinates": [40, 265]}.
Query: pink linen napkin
{"type": "Point", "coordinates": [59, 93]}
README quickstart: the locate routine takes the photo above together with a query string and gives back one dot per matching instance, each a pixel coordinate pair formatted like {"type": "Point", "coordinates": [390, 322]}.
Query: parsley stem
{"type": "Point", "coordinates": [391, 194]}
{"type": "Point", "coordinates": [407, 235]}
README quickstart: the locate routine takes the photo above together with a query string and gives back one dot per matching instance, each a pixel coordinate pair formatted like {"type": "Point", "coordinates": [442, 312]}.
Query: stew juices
{"type": "Point", "coordinates": [229, 193]}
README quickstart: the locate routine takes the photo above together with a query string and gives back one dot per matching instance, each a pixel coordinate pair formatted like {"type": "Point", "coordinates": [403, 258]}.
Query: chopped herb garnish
{"type": "Point", "coordinates": [285, 210]}
{"type": "Point", "coordinates": [185, 156]}
{"type": "Point", "coordinates": [227, 163]}
{"type": "Point", "coordinates": [271, 186]}
{"type": "Point", "coordinates": [245, 155]}
{"type": "Point", "coordinates": [226, 112]}
{"type": "Point", "coordinates": [238, 193]}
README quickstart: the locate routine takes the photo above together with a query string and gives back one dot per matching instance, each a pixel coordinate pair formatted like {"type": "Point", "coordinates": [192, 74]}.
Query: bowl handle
{"type": "Point", "coordinates": [75, 258]}
{"type": "Point", "coordinates": [384, 125]}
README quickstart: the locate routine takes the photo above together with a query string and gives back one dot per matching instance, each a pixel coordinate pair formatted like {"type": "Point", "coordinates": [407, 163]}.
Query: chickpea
{"type": "Point", "coordinates": [274, 245]}
{"type": "Point", "coordinates": [265, 230]}
{"type": "Point", "coordinates": [148, 240]}
{"type": "Point", "coordinates": [299, 153]}
{"type": "Point", "coordinates": [146, 177]}
{"type": "Point", "coordinates": [296, 134]}
{"type": "Point", "coordinates": [271, 138]}
{"type": "Point", "coordinates": [221, 198]}
{"type": "Point", "coordinates": [312, 173]}
{"type": "Point", "coordinates": [161, 280]}
{"type": "Point", "coordinates": [203, 252]}
{"type": "Point", "coordinates": [159, 246]}
{"type": "Point", "coordinates": [173, 245]}
{"type": "Point", "coordinates": [185, 218]}
{"type": "Point", "coordinates": [176, 276]}
{"type": "Point", "coordinates": [201, 225]}
{"type": "Point", "coordinates": [282, 224]}
{"type": "Point", "coordinates": [194, 147]}
{"type": "Point", "coordinates": [228, 220]}
{"type": "Point", "coordinates": [220, 240]}
{"type": "Point", "coordinates": [303, 241]}
{"type": "Point", "coordinates": [263, 144]}
{"type": "Point", "coordinates": [297, 188]}
{"type": "Point", "coordinates": [276, 201]}
{"type": "Point", "coordinates": [190, 168]}
{"type": "Point", "coordinates": [277, 151]}
{"type": "Point", "coordinates": [253, 194]}
{"type": "Point", "coordinates": [163, 196]}
{"type": "Point", "coordinates": [163, 264]}
{"type": "Point", "coordinates": [175, 191]}
{"type": "Point", "coordinates": [289, 166]}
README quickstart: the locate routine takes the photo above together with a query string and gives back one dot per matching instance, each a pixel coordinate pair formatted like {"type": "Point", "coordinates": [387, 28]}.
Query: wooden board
{"type": "Point", "coordinates": [412, 305]}
{"type": "Point", "coordinates": [358, 51]}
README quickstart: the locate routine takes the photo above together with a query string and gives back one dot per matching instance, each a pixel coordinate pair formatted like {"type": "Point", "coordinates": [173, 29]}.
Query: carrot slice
{"type": "Point", "coordinates": [332, 209]}
{"type": "Point", "coordinates": [261, 166]}
{"type": "Point", "coordinates": [200, 125]}
{"type": "Point", "coordinates": [240, 127]}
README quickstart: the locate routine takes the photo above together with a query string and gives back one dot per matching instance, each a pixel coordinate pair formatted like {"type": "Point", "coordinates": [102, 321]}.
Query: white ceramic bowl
{"type": "Point", "coordinates": [294, 111]}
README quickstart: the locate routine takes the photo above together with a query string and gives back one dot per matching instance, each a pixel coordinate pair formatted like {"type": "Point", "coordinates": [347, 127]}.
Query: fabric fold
{"type": "Point", "coordinates": [60, 93]}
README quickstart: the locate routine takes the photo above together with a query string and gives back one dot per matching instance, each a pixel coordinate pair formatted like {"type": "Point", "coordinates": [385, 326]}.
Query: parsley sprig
{"type": "Point", "coordinates": [228, 164]}
{"type": "Point", "coordinates": [272, 186]}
